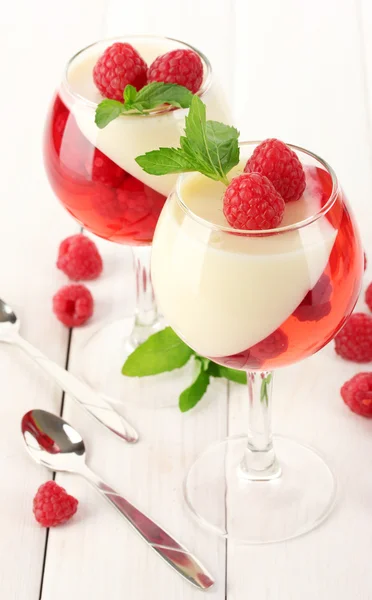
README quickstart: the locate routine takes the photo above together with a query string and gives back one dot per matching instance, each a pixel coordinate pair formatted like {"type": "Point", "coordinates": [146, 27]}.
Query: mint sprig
{"type": "Point", "coordinates": [162, 351]}
{"type": "Point", "coordinates": [165, 351]}
{"type": "Point", "coordinates": [209, 147]}
{"type": "Point", "coordinates": [194, 393]}
{"type": "Point", "coordinates": [150, 97]}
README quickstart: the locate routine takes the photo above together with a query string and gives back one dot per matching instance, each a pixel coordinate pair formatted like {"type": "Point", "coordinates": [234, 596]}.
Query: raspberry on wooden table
{"type": "Point", "coordinates": [183, 67]}
{"type": "Point", "coordinates": [354, 342]}
{"type": "Point", "coordinates": [281, 166]}
{"type": "Point", "coordinates": [251, 202]}
{"type": "Point", "coordinates": [357, 394]}
{"type": "Point", "coordinates": [79, 258]}
{"type": "Point", "coordinates": [119, 66]}
{"type": "Point", "coordinates": [52, 505]}
{"type": "Point", "coordinates": [73, 305]}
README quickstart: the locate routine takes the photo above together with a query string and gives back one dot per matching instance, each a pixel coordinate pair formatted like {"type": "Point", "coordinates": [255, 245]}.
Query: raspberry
{"type": "Point", "coordinates": [119, 65]}
{"type": "Point", "coordinates": [183, 67]}
{"type": "Point", "coordinates": [73, 305]}
{"type": "Point", "coordinates": [357, 394]}
{"type": "Point", "coordinates": [272, 346]}
{"type": "Point", "coordinates": [104, 202]}
{"type": "Point", "coordinates": [354, 342]}
{"type": "Point", "coordinates": [79, 258]}
{"type": "Point", "coordinates": [52, 505]}
{"type": "Point", "coordinates": [251, 202]}
{"type": "Point", "coordinates": [104, 170]}
{"type": "Point", "coordinates": [281, 166]}
{"type": "Point", "coordinates": [316, 304]}
{"type": "Point", "coordinates": [368, 296]}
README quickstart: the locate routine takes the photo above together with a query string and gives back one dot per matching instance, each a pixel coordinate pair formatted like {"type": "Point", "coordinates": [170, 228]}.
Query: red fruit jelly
{"type": "Point", "coordinates": [324, 309]}
{"type": "Point", "coordinates": [100, 195]}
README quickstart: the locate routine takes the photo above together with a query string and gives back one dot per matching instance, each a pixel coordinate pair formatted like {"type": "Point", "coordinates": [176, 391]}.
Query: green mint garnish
{"type": "Point", "coordinates": [208, 147]}
{"type": "Point", "coordinates": [162, 351]}
{"type": "Point", "coordinates": [165, 351]}
{"type": "Point", "coordinates": [151, 96]}
{"type": "Point", "coordinates": [194, 393]}
{"type": "Point", "coordinates": [264, 391]}
{"type": "Point", "coordinates": [232, 374]}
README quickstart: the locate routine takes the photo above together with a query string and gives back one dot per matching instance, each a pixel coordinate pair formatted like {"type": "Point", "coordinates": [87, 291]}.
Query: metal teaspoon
{"type": "Point", "coordinates": [80, 391]}
{"type": "Point", "coordinates": [56, 445]}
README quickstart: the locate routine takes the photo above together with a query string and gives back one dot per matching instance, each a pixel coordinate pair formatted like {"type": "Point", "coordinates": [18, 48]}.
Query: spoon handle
{"type": "Point", "coordinates": [176, 555]}
{"type": "Point", "coordinates": [93, 403]}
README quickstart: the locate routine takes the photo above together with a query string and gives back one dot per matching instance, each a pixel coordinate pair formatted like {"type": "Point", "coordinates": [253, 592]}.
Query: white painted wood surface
{"type": "Point", "coordinates": [297, 70]}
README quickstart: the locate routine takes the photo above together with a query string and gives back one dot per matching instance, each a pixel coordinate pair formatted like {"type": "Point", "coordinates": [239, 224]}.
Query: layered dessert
{"type": "Point", "coordinates": [263, 298]}
{"type": "Point", "coordinates": [92, 170]}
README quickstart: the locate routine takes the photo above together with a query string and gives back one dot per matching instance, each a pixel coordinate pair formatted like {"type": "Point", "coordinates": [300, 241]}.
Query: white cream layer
{"type": "Point", "coordinates": [127, 137]}
{"type": "Point", "coordinates": [224, 293]}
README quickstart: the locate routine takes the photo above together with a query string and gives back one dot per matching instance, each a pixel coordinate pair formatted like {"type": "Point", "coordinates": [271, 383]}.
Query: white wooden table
{"type": "Point", "coordinates": [297, 70]}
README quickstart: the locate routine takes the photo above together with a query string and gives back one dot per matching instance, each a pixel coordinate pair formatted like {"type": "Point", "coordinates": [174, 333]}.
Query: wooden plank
{"type": "Point", "coordinates": [32, 224]}
{"type": "Point", "coordinates": [304, 84]}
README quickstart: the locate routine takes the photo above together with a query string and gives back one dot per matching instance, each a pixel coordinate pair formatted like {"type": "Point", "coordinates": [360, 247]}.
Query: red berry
{"type": "Point", "coordinates": [357, 394]}
{"type": "Point", "coordinates": [79, 258]}
{"type": "Point", "coordinates": [316, 304]}
{"type": "Point", "coordinates": [104, 170]}
{"type": "Point", "coordinates": [183, 67]}
{"type": "Point", "coordinates": [354, 341]}
{"type": "Point", "coordinates": [119, 65]}
{"type": "Point", "coordinates": [368, 296]}
{"type": "Point", "coordinates": [104, 202]}
{"type": "Point", "coordinates": [281, 166]}
{"type": "Point", "coordinates": [52, 505]}
{"type": "Point", "coordinates": [251, 202]}
{"type": "Point", "coordinates": [272, 346]}
{"type": "Point", "coordinates": [73, 305]}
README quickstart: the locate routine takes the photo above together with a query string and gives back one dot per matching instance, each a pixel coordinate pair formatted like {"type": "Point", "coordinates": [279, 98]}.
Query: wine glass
{"type": "Point", "coordinates": [94, 174]}
{"type": "Point", "coordinates": [255, 301]}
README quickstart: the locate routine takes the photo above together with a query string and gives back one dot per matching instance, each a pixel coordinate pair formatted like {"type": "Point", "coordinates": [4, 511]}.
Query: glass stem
{"type": "Point", "coordinates": [259, 461]}
{"type": "Point", "coordinates": [146, 315]}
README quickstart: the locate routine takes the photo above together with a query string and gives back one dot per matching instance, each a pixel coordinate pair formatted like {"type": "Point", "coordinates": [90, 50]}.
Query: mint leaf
{"type": "Point", "coordinates": [204, 362]}
{"type": "Point", "coordinates": [107, 111]}
{"type": "Point", "coordinates": [157, 93]}
{"type": "Point", "coordinates": [213, 143]}
{"type": "Point", "coordinates": [151, 96]}
{"type": "Point", "coordinates": [162, 351]}
{"type": "Point", "coordinates": [193, 394]}
{"type": "Point", "coordinates": [223, 144]}
{"type": "Point", "coordinates": [165, 160]}
{"type": "Point", "coordinates": [232, 374]}
{"type": "Point", "coordinates": [208, 147]}
{"type": "Point", "coordinates": [130, 94]}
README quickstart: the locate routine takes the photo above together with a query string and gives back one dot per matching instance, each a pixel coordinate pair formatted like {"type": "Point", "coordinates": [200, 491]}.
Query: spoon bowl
{"type": "Point", "coordinates": [52, 442]}
{"type": "Point", "coordinates": [8, 320]}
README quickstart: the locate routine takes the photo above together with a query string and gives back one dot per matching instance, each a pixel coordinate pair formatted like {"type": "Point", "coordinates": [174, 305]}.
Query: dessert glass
{"type": "Point", "coordinates": [94, 174]}
{"type": "Point", "coordinates": [256, 301]}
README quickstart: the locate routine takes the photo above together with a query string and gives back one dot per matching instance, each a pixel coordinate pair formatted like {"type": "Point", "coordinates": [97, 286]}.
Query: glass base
{"type": "Point", "coordinates": [260, 512]}
{"type": "Point", "coordinates": [101, 361]}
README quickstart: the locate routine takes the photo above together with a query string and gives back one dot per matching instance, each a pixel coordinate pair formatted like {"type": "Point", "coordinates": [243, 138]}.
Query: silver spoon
{"type": "Point", "coordinates": [80, 391]}
{"type": "Point", "coordinates": [56, 445]}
